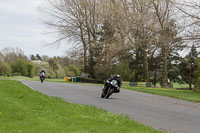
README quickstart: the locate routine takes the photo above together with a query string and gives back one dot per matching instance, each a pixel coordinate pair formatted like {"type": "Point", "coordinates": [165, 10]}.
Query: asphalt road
{"type": "Point", "coordinates": [163, 113]}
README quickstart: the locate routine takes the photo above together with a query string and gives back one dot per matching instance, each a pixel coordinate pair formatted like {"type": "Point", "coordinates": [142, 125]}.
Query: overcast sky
{"type": "Point", "coordinates": [21, 26]}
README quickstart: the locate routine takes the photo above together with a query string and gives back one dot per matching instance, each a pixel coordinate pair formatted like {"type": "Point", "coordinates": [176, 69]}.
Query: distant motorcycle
{"type": "Point", "coordinates": [42, 77]}
{"type": "Point", "coordinates": [109, 89]}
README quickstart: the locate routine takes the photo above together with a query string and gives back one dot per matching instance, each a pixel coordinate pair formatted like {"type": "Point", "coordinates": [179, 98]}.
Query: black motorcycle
{"type": "Point", "coordinates": [112, 86]}
{"type": "Point", "coordinates": [42, 77]}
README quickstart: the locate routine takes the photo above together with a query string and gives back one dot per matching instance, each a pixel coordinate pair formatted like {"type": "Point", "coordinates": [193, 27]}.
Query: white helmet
{"type": "Point", "coordinates": [118, 76]}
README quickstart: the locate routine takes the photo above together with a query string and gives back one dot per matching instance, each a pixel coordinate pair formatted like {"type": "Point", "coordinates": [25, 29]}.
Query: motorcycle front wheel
{"type": "Point", "coordinates": [103, 93]}
{"type": "Point", "coordinates": [109, 93]}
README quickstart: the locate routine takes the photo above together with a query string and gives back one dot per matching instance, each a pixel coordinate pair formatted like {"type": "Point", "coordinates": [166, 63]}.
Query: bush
{"type": "Point", "coordinates": [60, 73]}
{"type": "Point", "coordinates": [20, 66]}
{"type": "Point", "coordinates": [5, 69]}
{"type": "Point", "coordinates": [31, 69]}
{"type": "Point", "coordinates": [23, 68]}
{"type": "Point", "coordinates": [74, 69]}
{"type": "Point", "coordinates": [124, 70]}
{"type": "Point", "coordinates": [71, 71]}
{"type": "Point", "coordinates": [70, 74]}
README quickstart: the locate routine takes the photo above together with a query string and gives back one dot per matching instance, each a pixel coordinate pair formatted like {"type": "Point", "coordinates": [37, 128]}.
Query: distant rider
{"type": "Point", "coordinates": [119, 82]}
{"type": "Point", "coordinates": [43, 73]}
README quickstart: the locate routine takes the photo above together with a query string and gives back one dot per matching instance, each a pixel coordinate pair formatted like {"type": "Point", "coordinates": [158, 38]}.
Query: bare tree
{"type": "Point", "coordinates": [167, 32]}
{"type": "Point", "coordinates": [67, 20]}
{"type": "Point", "coordinates": [191, 14]}
{"type": "Point", "coordinates": [137, 29]}
{"type": "Point", "coordinates": [12, 54]}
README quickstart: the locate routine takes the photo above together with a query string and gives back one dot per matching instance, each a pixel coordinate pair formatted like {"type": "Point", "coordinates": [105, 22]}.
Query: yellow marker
{"type": "Point", "coordinates": [1, 113]}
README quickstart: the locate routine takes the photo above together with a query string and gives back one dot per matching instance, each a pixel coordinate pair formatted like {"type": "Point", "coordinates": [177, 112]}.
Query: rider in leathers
{"type": "Point", "coordinates": [119, 81]}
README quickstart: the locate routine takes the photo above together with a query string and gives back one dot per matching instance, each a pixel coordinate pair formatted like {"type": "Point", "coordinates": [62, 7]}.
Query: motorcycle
{"type": "Point", "coordinates": [42, 77]}
{"type": "Point", "coordinates": [112, 86]}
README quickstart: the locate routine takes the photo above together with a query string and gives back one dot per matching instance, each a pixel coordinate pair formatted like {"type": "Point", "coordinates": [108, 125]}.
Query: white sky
{"type": "Point", "coordinates": [21, 26]}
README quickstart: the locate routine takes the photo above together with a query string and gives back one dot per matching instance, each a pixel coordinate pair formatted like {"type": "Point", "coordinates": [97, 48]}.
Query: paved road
{"type": "Point", "coordinates": [163, 113]}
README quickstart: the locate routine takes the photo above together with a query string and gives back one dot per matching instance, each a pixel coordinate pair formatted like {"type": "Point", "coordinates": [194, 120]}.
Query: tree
{"type": "Point", "coordinates": [69, 17]}
{"type": "Point", "coordinates": [54, 64]}
{"type": "Point", "coordinates": [73, 69]}
{"type": "Point", "coordinates": [188, 66]}
{"type": "Point", "coordinates": [143, 24]}
{"type": "Point", "coordinates": [1, 57]}
{"type": "Point", "coordinates": [38, 57]}
{"type": "Point", "coordinates": [167, 33]}
{"type": "Point", "coordinates": [155, 68]}
{"type": "Point", "coordinates": [45, 58]}
{"type": "Point", "coordinates": [124, 70]}
{"type": "Point", "coordinates": [33, 57]}
{"type": "Point", "coordinates": [13, 54]}
{"type": "Point", "coordinates": [190, 11]}
{"type": "Point", "coordinates": [196, 75]}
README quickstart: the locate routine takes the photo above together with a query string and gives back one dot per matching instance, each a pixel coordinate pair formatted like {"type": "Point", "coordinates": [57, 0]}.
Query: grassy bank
{"type": "Point", "coordinates": [23, 110]}
{"type": "Point", "coordinates": [181, 94]}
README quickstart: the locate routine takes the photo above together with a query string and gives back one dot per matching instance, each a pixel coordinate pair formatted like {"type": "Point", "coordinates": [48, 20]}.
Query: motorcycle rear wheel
{"type": "Point", "coordinates": [102, 95]}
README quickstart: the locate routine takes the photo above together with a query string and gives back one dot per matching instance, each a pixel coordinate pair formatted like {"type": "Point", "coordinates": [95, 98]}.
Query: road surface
{"type": "Point", "coordinates": [163, 113]}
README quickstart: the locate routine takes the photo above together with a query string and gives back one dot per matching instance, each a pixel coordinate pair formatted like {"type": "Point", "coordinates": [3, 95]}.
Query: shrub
{"type": "Point", "coordinates": [5, 69]}
{"type": "Point", "coordinates": [20, 66]}
{"type": "Point", "coordinates": [70, 74]}
{"type": "Point", "coordinates": [31, 69]}
{"type": "Point", "coordinates": [124, 70]}
{"type": "Point", "coordinates": [74, 69]}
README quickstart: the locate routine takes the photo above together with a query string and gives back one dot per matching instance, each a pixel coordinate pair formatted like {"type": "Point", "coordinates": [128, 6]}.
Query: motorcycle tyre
{"type": "Point", "coordinates": [102, 95]}
{"type": "Point", "coordinates": [109, 93]}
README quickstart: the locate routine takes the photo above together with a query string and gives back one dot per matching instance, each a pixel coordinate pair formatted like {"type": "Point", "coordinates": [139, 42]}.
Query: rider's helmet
{"type": "Point", "coordinates": [117, 76]}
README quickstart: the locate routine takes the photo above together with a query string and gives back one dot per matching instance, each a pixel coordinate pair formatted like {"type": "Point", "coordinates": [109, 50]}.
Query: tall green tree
{"type": "Point", "coordinates": [188, 66]}
{"type": "Point", "coordinates": [197, 75]}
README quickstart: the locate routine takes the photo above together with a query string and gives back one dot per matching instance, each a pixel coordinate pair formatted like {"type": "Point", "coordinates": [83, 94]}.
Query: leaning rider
{"type": "Point", "coordinates": [119, 82]}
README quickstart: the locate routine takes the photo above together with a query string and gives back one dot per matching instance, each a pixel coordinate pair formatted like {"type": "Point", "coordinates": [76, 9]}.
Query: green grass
{"type": "Point", "coordinates": [23, 110]}
{"type": "Point", "coordinates": [180, 94]}
{"type": "Point", "coordinates": [27, 78]}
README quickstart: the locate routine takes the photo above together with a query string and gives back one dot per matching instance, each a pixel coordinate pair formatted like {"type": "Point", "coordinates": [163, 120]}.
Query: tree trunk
{"type": "Point", "coordinates": [146, 67]}
{"type": "Point", "coordinates": [155, 75]}
{"type": "Point", "coordinates": [165, 67]}
{"type": "Point", "coordinates": [85, 58]}
{"type": "Point", "coordinates": [85, 48]}
{"type": "Point", "coordinates": [190, 77]}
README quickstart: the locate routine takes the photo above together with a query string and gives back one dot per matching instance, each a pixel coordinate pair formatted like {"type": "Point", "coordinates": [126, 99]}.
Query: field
{"type": "Point", "coordinates": [23, 110]}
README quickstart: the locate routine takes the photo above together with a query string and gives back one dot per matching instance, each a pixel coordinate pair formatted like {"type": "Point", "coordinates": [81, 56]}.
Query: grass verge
{"type": "Point", "coordinates": [23, 110]}
{"type": "Point", "coordinates": [180, 94]}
